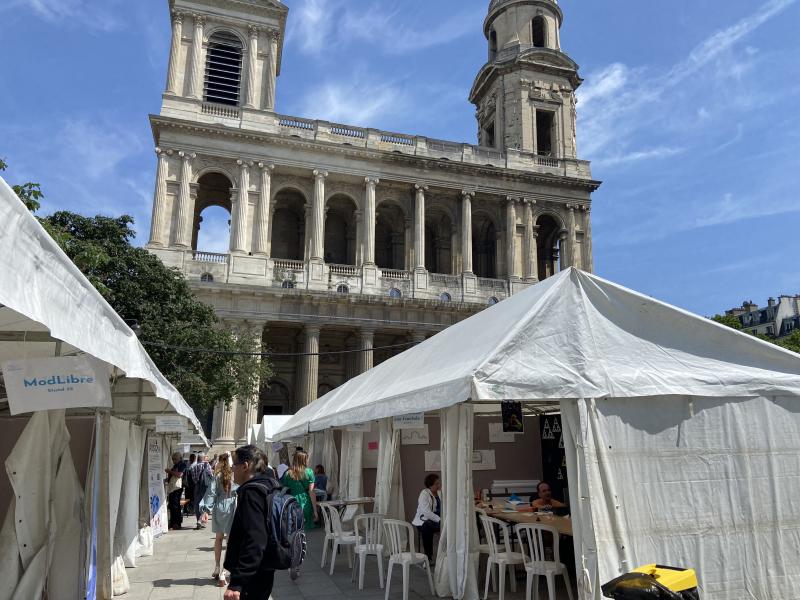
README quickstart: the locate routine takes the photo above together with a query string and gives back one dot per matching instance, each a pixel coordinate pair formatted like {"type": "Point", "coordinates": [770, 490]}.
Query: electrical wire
{"type": "Point", "coordinates": [192, 349]}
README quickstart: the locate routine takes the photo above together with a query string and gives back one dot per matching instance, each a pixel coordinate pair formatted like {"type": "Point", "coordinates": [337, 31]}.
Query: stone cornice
{"type": "Point", "coordinates": [426, 163]}
{"type": "Point", "coordinates": [497, 8]}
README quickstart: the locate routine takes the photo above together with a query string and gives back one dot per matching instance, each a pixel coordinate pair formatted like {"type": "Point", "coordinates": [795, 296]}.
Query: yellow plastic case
{"type": "Point", "coordinates": [672, 578]}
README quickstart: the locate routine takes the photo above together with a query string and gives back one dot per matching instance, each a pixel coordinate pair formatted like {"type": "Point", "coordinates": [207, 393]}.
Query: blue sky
{"type": "Point", "coordinates": [689, 113]}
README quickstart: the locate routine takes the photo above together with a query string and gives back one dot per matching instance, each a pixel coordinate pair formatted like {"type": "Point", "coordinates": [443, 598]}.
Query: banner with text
{"type": "Point", "coordinates": [55, 383]}
{"type": "Point", "coordinates": [155, 484]}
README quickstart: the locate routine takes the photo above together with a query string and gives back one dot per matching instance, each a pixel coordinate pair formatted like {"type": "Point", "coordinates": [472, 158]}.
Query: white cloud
{"type": "Point", "coordinates": [618, 103]}
{"type": "Point", "coordinates": [395, 37]}
{"type": "Point", "coordinates": [638, 156]}
{"type": "Point", "coordinates": [311, 25]}
{"type": "Point", "coordinates": [98, 147]}
{"type": "Point", "coordinates": [99, 15]}
{"type": "Point", "coordinates": [360, 101]}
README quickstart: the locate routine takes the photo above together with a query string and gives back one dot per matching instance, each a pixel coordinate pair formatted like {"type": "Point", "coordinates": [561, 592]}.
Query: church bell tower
{"type": "Point", "coordinates": [525, 93]}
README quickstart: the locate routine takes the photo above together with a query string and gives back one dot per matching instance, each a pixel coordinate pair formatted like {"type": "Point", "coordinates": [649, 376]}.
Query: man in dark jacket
{"type": "Point", "coordinates": [250, 578]}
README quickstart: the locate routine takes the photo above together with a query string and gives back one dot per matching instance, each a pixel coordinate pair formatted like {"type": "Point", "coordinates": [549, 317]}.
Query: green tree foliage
{"type": "Point", "coordinates": [728, 320]}
{"type": "Point", "coordinates": [141, 289]}
{"type": "Point", "coordinates": [29, 193]}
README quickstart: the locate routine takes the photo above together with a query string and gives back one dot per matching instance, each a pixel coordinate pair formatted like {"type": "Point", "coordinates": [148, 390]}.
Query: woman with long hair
{"type": "Point", "coordinates": [220, 501]}
{"type": "Point", "coordinates": [299, 478]}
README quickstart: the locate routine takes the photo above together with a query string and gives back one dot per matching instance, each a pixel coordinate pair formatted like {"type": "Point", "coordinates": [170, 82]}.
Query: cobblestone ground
{"type": "Point", "coordinates": [183, 561]}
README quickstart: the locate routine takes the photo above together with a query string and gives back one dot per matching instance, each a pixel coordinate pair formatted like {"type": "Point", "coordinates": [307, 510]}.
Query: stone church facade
{"type": "Point", "coordinates": [348, 243]}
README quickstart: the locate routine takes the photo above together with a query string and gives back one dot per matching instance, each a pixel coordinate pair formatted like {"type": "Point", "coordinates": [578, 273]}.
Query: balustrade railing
{"type": "Point", "coordinates": [345, 270]}
{"type": "Point", "coordinates": [395, 274]}
{"type": "Point", "coordinates": [446, 280]}
{"type": "Point", "coordinates": [220, 110]}
{"type": "Point", "coordinates": [210, 257]}
{"type": "Point", "coordinates": [297, 123]}
{"type": "Point", "coordinates": [486, 283]}
{"type": "Point", "coordinates": [346, 131]}
{"type": "Point", "coordinates": [393, 138]}
{"type": "Point", "coordinates": [289, 265]}
{"type": "Point", "coordinates": [548, 161]}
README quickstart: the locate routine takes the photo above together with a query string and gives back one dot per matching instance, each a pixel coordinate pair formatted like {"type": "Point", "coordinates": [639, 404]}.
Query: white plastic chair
{"type": "Point", "coordinates": [502, 556]}
{"type": "Point", "coordinates": [368, 532]}
{"type": "Point", "coordinates": [532, 543]}
{"type": "Point", "coordinates": [400, 539]}
{"type": "Point", "coordinates": [483, 548]}
{"type": "Point", "coordinates": [339, 536]}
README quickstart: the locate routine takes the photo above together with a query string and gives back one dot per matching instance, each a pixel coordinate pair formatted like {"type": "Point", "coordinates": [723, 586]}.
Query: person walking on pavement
{"type": "Point", "coordinates": [175, 490]}
{"type": "Point", "coordinates": [220, 501]}
{"type": "Point", "coordinates": [299, 478]}
{"type": "Point", "coordinates": [199, 475]}
{"type": "Point", "coordinates": [188, 488]}
{"type": "Point", "coordinates": [250, 576]}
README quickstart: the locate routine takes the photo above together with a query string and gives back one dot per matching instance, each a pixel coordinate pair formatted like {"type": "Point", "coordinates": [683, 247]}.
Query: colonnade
{"type": "Point", "coordinates": [573, 220]}
{"type": "Point", "coordinates": [231, 425]}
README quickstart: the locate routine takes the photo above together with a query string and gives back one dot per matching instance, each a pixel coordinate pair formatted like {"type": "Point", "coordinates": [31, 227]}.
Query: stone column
{"type": "Point", "coordinates": [466, 231]}
{"type": "Point", "coordinates": [195, 71]}
{"type": "Point", "coordinates": [250, 410]}
{"type": "Point", "coordinates": [225, 424]}
{"type": "Point", "coordinates": [185, 204]}
{"type": "Point", "coordinates": [174, 53]}
{"type": "Point", "coordinates": [252, 59]}
{"type": "Point", "coordinates": [535, 253]}
{"type": "Point", "coordinates": [419, 228]}
{"type": "Point", "coordinates": [571, 241]}
{"type": "Point", "coordinates": [359, 216]}
{"type": "Point", "coordinates": [369, 221]}
{"type": "Point", "coordinates": [272, 70]}
{"type": "Point", "coordinates": [367, 343]}
{"type": "Point", "coordinates": [408, 245]}
{"type": "Point", "coordinates": [240, 216]}
{"type": "Point", "coordinates": [511, 238]}
{"type": "Point", "coordinates": [318, 217]}
{"type": "Point", "coordinates": [588, 263]}
{"type": "Point", "coordinates": [563, 249]}
{"type": "Point", "coordinates": [529, 242]}
{"type": "Point", "coordinates": [311, 364]}
{"type": "Point", "coordinates": [352, 363]}
{"type": "Point", "coordinates": [418, 336]}
{"type": "Point", "coordinates": [261, 228]}
{"type": "Point", "coordinates": [160, 199]}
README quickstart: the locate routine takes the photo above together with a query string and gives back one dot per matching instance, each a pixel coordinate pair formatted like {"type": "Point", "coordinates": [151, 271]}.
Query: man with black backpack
{"type": "Point", "coordinates": [267, 530]}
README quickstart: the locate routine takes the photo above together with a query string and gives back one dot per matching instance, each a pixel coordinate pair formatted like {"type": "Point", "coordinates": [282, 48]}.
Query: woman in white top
{"type": "Point", "coordinates": [429, 512]}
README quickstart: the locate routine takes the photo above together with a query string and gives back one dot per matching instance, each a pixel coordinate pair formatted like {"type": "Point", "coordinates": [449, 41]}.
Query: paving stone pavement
{"type": "Point", "coordinates": [183, 561]}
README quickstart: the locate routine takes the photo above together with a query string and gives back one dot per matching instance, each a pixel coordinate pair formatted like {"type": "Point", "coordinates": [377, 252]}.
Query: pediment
{"type": "Point", "coordinates": [547, 58]}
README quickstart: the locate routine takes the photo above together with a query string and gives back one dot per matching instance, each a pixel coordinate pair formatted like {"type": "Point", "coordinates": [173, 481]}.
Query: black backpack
{"type": "Point", "coordinates": [286, 546]}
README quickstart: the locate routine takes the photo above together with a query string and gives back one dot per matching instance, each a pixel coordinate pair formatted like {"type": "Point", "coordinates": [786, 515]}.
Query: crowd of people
{"type": "Point", "coordinates": [232, 490]}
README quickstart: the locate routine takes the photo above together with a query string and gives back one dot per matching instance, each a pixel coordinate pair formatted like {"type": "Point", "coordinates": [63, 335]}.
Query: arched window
{"type": "Point", "coordinates": [395, 293]}
{"type": "Point", "coordinates": [207, 278]}
{"type": "Point", "coordinates": [223, 69]}
{"type": "Point", "coordinates": [492, 301]}
{"type": "Point", "coordinates": [539, 32]}
{"type": "Point", "coordinates": [342, 289]}
{"type": "Point", "coordinates": [288, 285]}
{"type": "Point", "coordinates": [445, 297]}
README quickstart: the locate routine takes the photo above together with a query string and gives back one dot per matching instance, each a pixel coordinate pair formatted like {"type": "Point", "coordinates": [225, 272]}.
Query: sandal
{"type": "Point", "coordinates": [221, 582]}
{"type": "Point", "coordinates": [215, 574]}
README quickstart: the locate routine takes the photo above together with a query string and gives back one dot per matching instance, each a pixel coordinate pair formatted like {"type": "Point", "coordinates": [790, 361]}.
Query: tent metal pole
{"type": "Point", "coordinates": [104, 558]}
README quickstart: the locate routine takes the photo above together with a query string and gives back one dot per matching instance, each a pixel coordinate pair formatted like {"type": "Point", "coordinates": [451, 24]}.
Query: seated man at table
{"type": "Point", "coordinates": [545, 501]}
{"type": "Point", "coordinates": [428, 518]}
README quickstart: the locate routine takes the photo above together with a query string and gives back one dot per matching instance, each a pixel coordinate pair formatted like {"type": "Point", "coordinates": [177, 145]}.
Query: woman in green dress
{"type": "Point", "coordinates": [300, 481]}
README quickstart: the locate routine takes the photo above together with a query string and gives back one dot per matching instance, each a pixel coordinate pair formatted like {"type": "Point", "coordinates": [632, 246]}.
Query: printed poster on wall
{"type": "Point", "coordinates": [413, 421]}
{"type": "Point", "coordinates": [155, 484]}
{"type": "Point", "coordinates": [171, 424]}
{"type": "Point", "coordinates": [55, 383]}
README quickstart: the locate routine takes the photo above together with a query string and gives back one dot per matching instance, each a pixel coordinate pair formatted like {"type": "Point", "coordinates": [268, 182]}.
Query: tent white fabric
{"type": "Point", "coordinates": [570, 336]}
{"type": "Point", "coordinates": [45, 298]}
{"type": "Point", "coordinates": [682, 435]}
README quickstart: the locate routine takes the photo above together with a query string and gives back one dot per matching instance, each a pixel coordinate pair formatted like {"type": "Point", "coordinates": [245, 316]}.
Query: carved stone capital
{"type": "Point", "coordinates": [318, 174]}
{"type": "Point", "coordinates": [421, 187]}
{"type": "Point", "coordinates": [266, 166]}
{"type": "Point", "coordinates": [177, 17]}
{"type": "Point", "coordinates": [274, 34]}
{"type": "Point", "coordinates": [254, 31]}
{"type": "Point", "coordinates": [163, 152]}
{"type": "Point", "coordinates": [467, 194]}
{"type": "Point", "coordinates": [199, 21]}
{"type": "Point", "coordinates": [372, 181]}
{"type": "Point", "coordinates": [187, 156]}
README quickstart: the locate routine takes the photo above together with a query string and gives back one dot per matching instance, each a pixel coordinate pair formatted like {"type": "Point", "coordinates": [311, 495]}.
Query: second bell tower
{"type": "Point", "coordinates": [525, 93]}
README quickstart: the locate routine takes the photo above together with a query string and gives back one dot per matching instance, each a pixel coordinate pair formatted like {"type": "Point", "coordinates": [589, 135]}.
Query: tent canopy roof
{"type": "Point", "coordinates": [45, 302]}
{"type": "Point", "coordinates": [574, 335]}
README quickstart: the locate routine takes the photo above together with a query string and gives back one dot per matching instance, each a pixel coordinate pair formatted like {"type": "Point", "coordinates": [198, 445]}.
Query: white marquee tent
{"type": "Point", "coordinates": [682, 436]}
{"type": "Point", "coordinates": [48, 308]}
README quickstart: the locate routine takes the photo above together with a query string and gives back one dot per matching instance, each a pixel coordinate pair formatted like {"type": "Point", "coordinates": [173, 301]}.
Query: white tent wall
{"type": "Point", "coordinates": [389, 478]}
{"type": "Point", "coordinates": [40, 469]}
{"type": "Point", "coordinates": [457, 560]}
{"type": "Point", "coordinates": [330, 460]}
{"type": "Point", "coordinates": [707, 483]}
{"type": "Point", "coordinates": [128, 520]}
{"type": "Point", "coordinates": [351, 475]}
{"type": "Point", "coordinates": [118, 450]}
